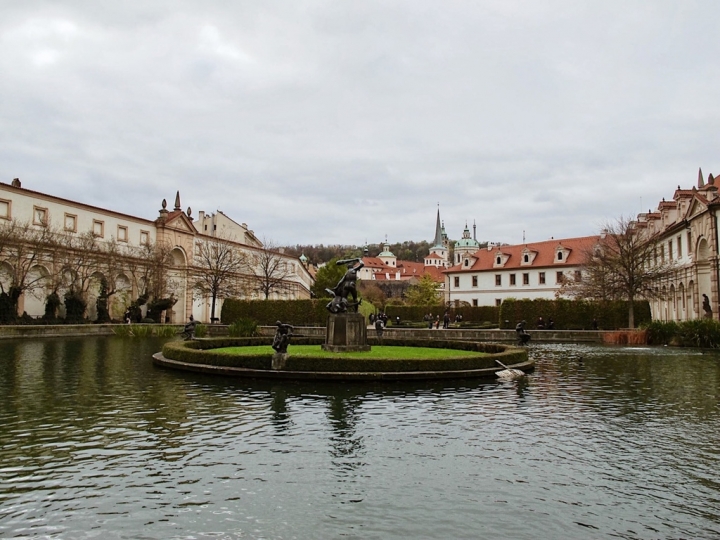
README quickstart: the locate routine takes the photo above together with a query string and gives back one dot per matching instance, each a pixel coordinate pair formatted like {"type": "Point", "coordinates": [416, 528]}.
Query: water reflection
{"type": "Point", "coordinates": [596, 442]}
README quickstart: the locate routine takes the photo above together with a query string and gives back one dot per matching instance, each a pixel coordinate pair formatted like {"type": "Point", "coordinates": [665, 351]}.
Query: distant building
{"type": "Point", "coordinates": [488, 276]}
{"type": "Point", "coordinates": [174, 228]}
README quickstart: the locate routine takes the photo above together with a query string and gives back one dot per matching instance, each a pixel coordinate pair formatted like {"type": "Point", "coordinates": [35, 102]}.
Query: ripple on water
{"type": "Point", "coordinates": [597, 442]}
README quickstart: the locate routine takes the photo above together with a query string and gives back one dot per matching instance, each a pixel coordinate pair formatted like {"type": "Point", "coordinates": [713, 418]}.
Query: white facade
{"type": "Point", "coordinates": [532, 271]}
{"type": "Point", "coordinates": [172, 228]}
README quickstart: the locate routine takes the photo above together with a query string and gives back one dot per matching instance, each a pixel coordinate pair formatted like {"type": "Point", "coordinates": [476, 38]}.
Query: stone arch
{"type": "Point", "coordinates": [704, 279]}
{"type": "Point", "coordinates": [691, 309]}
{"type": "Point", "coordinates": [122, 298]}
{"type": "Point", "coordinates": [672, 304]}
{"type": "Point", "coordinates": [178, 275]}
{"type": "Point", "coordinates": [6, 275]}
{"type": "Point", "coordinates": [93, 294]}
{"type": "Point", "coordinates": [681, 303]}
{"type": "Point", "coordinates": [36, 294]}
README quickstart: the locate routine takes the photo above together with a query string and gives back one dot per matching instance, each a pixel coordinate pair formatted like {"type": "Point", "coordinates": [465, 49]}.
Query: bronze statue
{"type": "Point", "coordinates": [706, 307]}
{"type": "Point", "coordinates": [345, 288]}
{"type": "Point", "coordinates": [282, 337]}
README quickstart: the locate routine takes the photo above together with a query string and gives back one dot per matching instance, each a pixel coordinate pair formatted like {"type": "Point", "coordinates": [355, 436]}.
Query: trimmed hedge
{"type": "Point", "coordinates": [201, 352]}
{"type": "Point", "coordinates": [572, 314]}
{"type": "Point", "coordinates": [266, 312]}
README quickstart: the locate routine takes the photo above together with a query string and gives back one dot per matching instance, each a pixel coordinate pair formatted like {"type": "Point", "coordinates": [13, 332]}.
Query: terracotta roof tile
{"type": "Point", "coordinates": [546, 255]}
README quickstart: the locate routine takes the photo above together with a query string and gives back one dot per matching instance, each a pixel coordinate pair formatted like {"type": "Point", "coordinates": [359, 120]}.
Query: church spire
{"type": "Point", "coordinates": [438, 230]}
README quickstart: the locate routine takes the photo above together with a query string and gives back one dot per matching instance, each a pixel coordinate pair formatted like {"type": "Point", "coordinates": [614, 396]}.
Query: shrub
{"type": "Point", "coordinates": [165, 331]}
{"type": "Point", "coordinates": [243, 327]}
{"type": "Point", "coordinates": [266, 312]}
{"type": "Point", "coordinates": [696, 333]}
{"type": "Point", "coordinates": [74, 307]}
{"type": "Point", "coordinates": [201, 330]}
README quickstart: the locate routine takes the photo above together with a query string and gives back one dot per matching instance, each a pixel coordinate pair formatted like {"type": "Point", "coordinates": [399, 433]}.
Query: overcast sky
{"type": "Point", "coordinates": [342, 122]}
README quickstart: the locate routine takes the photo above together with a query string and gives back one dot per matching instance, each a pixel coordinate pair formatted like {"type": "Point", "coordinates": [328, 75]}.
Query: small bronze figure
{"type": "Point", "coordinates": [282, 337]}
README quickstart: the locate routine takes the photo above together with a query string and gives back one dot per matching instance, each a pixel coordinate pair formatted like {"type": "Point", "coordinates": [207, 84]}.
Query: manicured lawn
{"type": "Point", "coordinates": [377, 352]}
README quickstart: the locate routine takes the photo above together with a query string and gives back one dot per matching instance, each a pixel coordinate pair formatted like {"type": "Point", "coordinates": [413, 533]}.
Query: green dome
{"type": "Point", "coordinates": [467, 242]}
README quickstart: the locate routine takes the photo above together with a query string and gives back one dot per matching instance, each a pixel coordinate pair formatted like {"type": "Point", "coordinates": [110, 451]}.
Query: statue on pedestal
{"type": "Point", "coordinates": [282, 337]}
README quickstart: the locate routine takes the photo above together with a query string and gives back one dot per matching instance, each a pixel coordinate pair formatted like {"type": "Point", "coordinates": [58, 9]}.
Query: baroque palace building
{"type": "Point", "coordinates": [685, 230]}
{"type": "Point", "coordinates": [130, 239]}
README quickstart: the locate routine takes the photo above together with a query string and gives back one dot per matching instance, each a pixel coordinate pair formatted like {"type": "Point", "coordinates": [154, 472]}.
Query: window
{"type": "Point", "coordinates": [4, 209]}
{"type": "Point", "coordinates": [541, 278]}
{"type": "Point", "coordinates": [498, 260]}
{"type": "Point", "coordinates": [144, 238]}
{"type": "Point", "coordinates": [474, 281]}
{"type": "Point", "coordinates": [40, 216]}
{"type": "Point", "coordinates": [559, 255]}
{"type": "Point", "coordinates": [467, 262]}
{"type": "Point", "coordinates": [457, 281]}
{"type": "Point", "coordinates": [689, 239]}
{"type": "Point", "coordinates": [559, 277]}
{"type": "Point", "coordinates": [198, 250]}
{"type": "Point", "coordinates": [512, 279]}
{"type": "Point", "coordinates": [475, 302]}
{"type": "Point", "coordinates": [526, 279]}
{"type": "Point", "coordinates": [498, 280]}
{"type": "Point", "coordinates": [526, 258]}
{"type": "Point", "coordinates": [70, 223]}
{"type": "Point", "coordinates": [122, 235]}
{"type": "Point", "coordinates": [99, 228]}
{"type": "Point", "coordinates": [662, 254]}
{"type": "Point", "coordinates": [670, 253]}
{"type": "Point", "coordinates": [578, 276]}
{"type": "Point", "coordinates": [679, 243]}
{"type": "Point", "coordinates": [498, 301]}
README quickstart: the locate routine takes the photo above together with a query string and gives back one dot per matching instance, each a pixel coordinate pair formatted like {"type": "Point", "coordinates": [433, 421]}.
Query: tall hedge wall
{"type": "Point", "coordinates": [572, 314]}
{"type": "Point", "coordinates": [266, 312]}
{"type": "Point", "coordinates": [567, 314]}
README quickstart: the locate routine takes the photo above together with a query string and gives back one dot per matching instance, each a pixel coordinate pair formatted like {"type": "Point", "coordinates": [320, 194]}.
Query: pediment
{"type": "Point", "coordinates": [696, 207]}
{"type": "Point", "coordinates": [181, 223]}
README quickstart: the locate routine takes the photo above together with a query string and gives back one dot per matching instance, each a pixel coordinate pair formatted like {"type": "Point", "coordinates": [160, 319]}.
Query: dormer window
{"type": "Point", "coordinates": [561, 254]}
{"type": "Point", "coordinates": [498, 260]}
{"type": "Point", "coordinates": [467, 262]}
{"type": "Point", "coordinates": [526, 258]}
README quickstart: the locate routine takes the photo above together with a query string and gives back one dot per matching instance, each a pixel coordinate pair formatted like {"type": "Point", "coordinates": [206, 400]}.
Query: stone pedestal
{"type": "Point", "coordinates": [346, 332]}
{"type": "Point", "coordinates": [278, 360]}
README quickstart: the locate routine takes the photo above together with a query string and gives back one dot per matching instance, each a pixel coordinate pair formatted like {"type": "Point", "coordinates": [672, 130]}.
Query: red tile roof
{"type": "Point", "coordinates": [406, 269]}
{"type": "Point", "coordinates": [546, 255]}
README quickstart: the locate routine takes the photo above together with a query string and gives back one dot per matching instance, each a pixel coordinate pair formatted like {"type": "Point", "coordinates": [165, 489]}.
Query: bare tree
{"type": "Point", "coordinates": [216, 270]}
{"type": "Point", "coordinates": [268, 270]}
{"type": "Point", "coordinates": [22, 248]}
{"type": "Point", "coordinates": [622, 266]}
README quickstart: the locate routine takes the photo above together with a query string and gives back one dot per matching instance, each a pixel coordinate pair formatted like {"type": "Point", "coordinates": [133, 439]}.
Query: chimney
{"type": "Point", "coordinates": [16, 182]}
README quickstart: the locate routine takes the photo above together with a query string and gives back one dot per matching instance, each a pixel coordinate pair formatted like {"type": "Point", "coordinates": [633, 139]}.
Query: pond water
{"type": "Point", "coordinates": [599, 442]}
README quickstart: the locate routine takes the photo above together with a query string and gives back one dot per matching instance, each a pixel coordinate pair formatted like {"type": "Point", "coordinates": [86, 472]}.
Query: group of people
{"type": "Point", "coordinates": [435, 322]}
{"type": "Point", "coordinates": [542, 325]}
{"type": "Point", "coordinates": [382, 318]}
